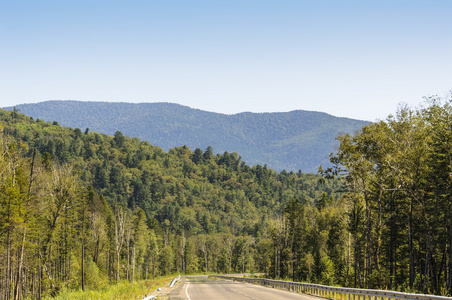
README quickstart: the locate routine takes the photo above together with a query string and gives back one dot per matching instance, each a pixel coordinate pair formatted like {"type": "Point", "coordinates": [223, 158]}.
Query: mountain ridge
{"type": "Point", "coordinates": [292, 140]}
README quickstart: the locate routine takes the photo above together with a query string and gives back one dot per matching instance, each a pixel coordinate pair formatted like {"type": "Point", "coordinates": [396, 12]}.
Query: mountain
{"type": "Point", "coordinates": [296, 140]}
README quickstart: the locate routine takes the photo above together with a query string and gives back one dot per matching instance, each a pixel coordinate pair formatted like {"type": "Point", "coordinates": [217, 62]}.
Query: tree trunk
{"type": "Point", "coordinates": [19, 266]}
{"type": "Point", "coordinates": [83, 265]}
{"type": "Point", "coordinates": [128, 261]}
{"type": "Point", "coordinates": [153, 268]}
{"type": "Point", "coordinates": [8, 264]}
{"type": "Point", "coordinates": [117, 271]}
{"type": "Point", "coordinates": [205, 261]}
{"type": "Point", "coordinates": [450, 258]}
{"type": "Point", "coordinates": [356, 260]}
{"type": "Point", "coordinates": [412, 274]}
{"type": "Point", "coordinates": [133, 263]}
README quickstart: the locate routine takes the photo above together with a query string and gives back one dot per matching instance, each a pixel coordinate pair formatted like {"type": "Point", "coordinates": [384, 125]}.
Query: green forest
{"type": "Point", "coordinates": [281, 140]}
{"type": "Point", "coordinates": [83, 210]}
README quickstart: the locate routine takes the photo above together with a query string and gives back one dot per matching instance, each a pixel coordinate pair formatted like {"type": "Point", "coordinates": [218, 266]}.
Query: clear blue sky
{"type": "Point", "coordinates": [356, 59]}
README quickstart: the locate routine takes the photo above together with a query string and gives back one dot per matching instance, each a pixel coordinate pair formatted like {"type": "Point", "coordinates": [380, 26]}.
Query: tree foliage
{"type": "Point", "coordinates": [398, 177]}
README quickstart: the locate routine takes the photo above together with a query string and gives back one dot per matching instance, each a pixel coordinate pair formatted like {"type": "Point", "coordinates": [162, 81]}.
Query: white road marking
{"type": "Point", "coordinates": [186, 291]}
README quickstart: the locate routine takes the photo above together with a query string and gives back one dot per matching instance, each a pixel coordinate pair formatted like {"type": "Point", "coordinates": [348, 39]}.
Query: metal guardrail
{"type": "Point", "coordinates": [333, 292]}
{"type": "Point", "coordinates": [173, 282]}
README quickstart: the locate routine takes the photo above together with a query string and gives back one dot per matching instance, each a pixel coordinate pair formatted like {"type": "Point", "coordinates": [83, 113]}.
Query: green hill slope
{"type": "Point", "coordinates": [114, 207]}
{"type": "Point", "coordinates": [181, 185]}
{"type": "Point", "coordinates": [291, 141]}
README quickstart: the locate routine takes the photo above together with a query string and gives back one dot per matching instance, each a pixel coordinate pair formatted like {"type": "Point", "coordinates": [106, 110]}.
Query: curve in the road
{"type": "Point", "coordinates": [202, 288]}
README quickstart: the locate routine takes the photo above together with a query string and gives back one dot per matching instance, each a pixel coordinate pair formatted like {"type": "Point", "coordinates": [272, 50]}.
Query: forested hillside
{"type": "Point", "coordinates": [79, 209]}
{"type": "Point", "coordinates": [292, 141]}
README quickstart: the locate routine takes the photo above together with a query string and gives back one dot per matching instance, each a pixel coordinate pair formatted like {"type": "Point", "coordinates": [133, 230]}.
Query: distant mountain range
{"type": "Point", "coordinates": [292, 141]}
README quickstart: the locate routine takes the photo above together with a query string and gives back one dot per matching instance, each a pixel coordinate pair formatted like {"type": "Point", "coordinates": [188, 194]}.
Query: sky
{"type": "Point", "coordinates": [357, 59]}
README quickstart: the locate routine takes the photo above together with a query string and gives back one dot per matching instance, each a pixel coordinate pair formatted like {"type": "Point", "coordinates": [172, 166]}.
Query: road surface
{"type": "Point", "coordinates": [202, 287]}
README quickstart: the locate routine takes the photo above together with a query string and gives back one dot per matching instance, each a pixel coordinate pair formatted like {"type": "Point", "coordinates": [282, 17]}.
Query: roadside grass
{"type": "Point", "coordinates": [123, 290]}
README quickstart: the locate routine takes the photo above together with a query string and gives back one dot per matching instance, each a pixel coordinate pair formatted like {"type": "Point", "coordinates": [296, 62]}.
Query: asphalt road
{"type": "Point", "coordinates": [199, 288]}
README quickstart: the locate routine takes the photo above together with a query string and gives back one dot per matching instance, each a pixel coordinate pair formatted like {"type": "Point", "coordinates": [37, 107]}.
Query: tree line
{"type": "Point", "coordinates": [398, 178]}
